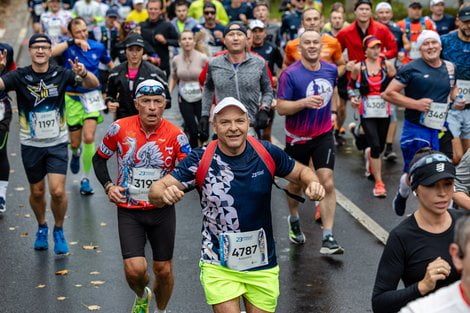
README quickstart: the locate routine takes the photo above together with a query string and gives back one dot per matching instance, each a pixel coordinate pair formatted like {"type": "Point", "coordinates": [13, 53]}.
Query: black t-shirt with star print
{"type": "Point", "coordinates": [41, 106]}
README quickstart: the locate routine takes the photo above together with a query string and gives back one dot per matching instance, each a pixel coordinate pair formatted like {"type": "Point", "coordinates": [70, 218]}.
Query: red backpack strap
{"type": "Point", "coordinates": [263, 153]}
{"type": "Point", "coordinates": [204, 163]}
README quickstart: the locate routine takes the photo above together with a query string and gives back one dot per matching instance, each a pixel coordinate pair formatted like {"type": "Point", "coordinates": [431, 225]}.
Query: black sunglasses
{"type": "Point", "coordinates": [209, 12]}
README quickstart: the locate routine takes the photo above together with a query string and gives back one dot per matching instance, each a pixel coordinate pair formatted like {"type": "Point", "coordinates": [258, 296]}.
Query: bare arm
{"type": "Point", "coordinates": [89, 79]}
{"type": "Point", "coordinates": [341, 64]}
{"type": "Point", "coordinates": [166, 191]}
{"type": "Point", "coordinates": [392, 94]}
{"type": "Point", "coordinates": [391, 70]}
{"type": "Point", "coordinates": [286, 107]}
{"type": "Point", "coordinates": [61, 47]}
{"type": "Point", "coordinates": [306, 177]}
{"type": "Point", "coordinates": [462, 199]}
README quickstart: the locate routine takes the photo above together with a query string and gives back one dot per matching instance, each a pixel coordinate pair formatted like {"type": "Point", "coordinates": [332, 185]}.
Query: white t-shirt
{"type": "Point", "coordinates": [445, 300]}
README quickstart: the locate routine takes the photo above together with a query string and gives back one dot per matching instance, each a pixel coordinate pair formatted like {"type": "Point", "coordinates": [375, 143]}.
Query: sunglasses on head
{"type": "Point", "coordinates": [150, 91]}
{"type": "Point", "coordinates": [209, 12]}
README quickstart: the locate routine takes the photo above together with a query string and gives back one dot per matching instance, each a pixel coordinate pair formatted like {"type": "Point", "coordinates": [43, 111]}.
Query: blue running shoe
{"type": "Point", "coordinates": [41, 238]}
{"type": "Point", "coordinates": [399, 204]}
{"type": "Point", "coordinates": [3, 205]}
{"type": "Point", "coordinates": [75, 162]}
{"type": "Point", "coordinates": [85, 188]}
{"type": "Point", "coordinates": [60, 244]}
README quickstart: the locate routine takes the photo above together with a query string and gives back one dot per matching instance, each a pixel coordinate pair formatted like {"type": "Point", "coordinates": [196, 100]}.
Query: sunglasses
{"type": "Point", "coordinates": [209, 12]}
{"type": "Point", "coordinates": [150, 91]}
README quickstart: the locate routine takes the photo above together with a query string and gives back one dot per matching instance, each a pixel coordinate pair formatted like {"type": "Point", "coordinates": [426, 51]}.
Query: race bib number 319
{"type": "Point", "coordinates": [243, 251]}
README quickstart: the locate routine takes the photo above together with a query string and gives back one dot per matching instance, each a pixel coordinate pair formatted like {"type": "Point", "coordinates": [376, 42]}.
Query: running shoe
{"type": "Point", "coordinates": [295, 233]}
{"type": "Point", "coordinates": [379, 190]}
{"type": "Point", "coordinates": [317, 216]}
{"type": "Point", "coordinates": [60, 244]}
{"type": "Point", "coordinates": [399, 204]}
{"type": "Point", "coordinates": [85, 188]}
{"type": "Point", "coordinates": [141, 305]}
{"type": "Point", "coordinates": [390, 156]}
{"type": "Point", "coordinates": [330, 246]}
{"type": "Point", "coordinates": [75, 162]}
{"type": "Point", "coordinates": [368, 172]}
{"type": "Point", "coordinates": [339, 139]}
{"type": "Point", "coordinates": [3, 205]}
{"type": "Point", "coordinates": [41, 242]}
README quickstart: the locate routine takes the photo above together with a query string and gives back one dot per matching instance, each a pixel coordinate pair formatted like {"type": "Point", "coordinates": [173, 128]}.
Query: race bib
{"type": "Point", "coordinates": [38, 9]}
{"type": "Point", "coordinates": [2, 110]}
{"type": "Point", "coordinates": [464, 89]}
{"type": "Point", "coordinates": [190, 91]}
{"type": "Point", "coordinates": [92, 101]}
{"type": "Point", "coordinates": [414, 52]}
{"type": "Point", "coordinates": [436, 116]}
{"type": "Point", "coordinates": [54, 28]}
{"type": "Point", "coordinates": [44, 125]}
{"type": "Point", "coordinates": [375, 106]}
{"type": "Point", "coordinates": [243, 251]}
{"type": "Point", "coordinates": [142, 179]}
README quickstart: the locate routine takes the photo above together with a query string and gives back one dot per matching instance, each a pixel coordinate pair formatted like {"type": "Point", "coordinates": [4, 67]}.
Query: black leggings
{"type": "Point", "coordinates": [4, 165]}
{"type": "Point", "coordinates": [375, 130]}
{"type": "Point", "coordinates": [191, 112]}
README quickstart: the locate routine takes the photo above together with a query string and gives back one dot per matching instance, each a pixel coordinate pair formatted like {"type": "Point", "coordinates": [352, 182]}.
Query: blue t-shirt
{"type": "Point", "coordinates": [91, 59]}
{"type": "Point", "coordinates": [397, 33]}
{"type": "Point", "coordinates": [457, 51]}
{"type": "Point", "coordinates": [234, 13]}
{"type": "Point", "coordinates": [291, 22]}
{"type": "Point", "coordinates": [423, 81]}
{"type": "Point", "coordinates": [297, 82]}
{"type": "Point", "coordinates": [445, 25]}
{"type": "Point", "coordinates": [236, 195]}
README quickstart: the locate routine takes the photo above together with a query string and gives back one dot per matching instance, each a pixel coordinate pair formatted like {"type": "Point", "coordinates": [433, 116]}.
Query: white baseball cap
{"type": "Point", "coordinates": [383, 6]}
{"type": "Point", "coordinates": [434, 2]}
{"type": "Point", "coordinates": [226, 102]}
{"type": "Point", "coordinates": [135, 2]}
{"type": "Point", "coordinates": [256, 24]}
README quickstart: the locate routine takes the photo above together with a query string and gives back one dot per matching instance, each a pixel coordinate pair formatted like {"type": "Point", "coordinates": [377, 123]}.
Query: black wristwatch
{"type": "Point", "coordinates": [71, 42]}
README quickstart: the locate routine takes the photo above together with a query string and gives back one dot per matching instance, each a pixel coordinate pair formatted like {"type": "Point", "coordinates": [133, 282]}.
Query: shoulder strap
{"type": "Point", "coordinates": [263, 153]}
{"type": "Point", "coordinates": [204, 163]}
{"type": "Point", "coordinates": [451, 72]}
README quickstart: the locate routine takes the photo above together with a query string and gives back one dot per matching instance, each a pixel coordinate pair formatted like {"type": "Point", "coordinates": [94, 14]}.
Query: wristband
{"type": "Point", "coordinates": [71, 42]}
{"type": "Point", "coordinates": [86, 73]}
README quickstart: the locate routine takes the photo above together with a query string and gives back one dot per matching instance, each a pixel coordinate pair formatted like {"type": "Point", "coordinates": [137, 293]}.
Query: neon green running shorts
{"type": "Point", "coordinates": [260, 288]}
{"type": "Point", "coordinates": [76, 115]}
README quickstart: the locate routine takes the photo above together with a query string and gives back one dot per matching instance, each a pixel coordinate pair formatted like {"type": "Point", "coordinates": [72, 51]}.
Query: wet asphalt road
{"type": "Point", "coordinates": [309, 282]}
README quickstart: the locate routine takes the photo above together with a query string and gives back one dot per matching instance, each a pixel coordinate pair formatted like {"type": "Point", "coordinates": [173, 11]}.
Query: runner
{"type": "Point", "coordinates": [371, 77]}
{"type": "Point", "coordinates": [246, 268]}
{"type": "Point", "coordinates": [43, 134]}
{"type": "Point", "coordinates": [444, 23]}
{"type": "Point", "coordinates": [456, 49]}
{"type": "Point", "coordinates": [36, 8]}
{"type": "Point", "coordinates": [54, 22]}
{"type": "Point", "coordinates": [428, 84]}
{"type": "Point", "coordinates": [213, 30]}
{"type": "Point", "coordinates": [83, 105]}
{"type": "Point", "coordinates": [147, 155]}
{"type": "Point", "coordinates": [304, 96]}
{"type": "Point", "coordinates": [273, 31]}
{"type": "Point", "coordinates": [5, 118]}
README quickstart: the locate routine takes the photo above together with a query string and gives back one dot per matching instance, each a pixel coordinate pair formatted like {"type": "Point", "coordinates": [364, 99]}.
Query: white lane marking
{"type": "Point", "coordinates": [372, 226]}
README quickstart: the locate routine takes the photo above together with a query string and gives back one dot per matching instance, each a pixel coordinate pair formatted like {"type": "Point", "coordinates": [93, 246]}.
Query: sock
{"type": "Point", "coordinates": [56, 228]}
{"type": "Point", "coordinates": [3, 189]}
{"type": "Point", "coordinates": [88, 152]}
{"type": "Point", "coordinates": [144, 295]}
{"type": "Point", "coordinates": [75, 151]}
{"type": "Point", "coordinates": [327, 232]}
{"type": "Point", "coordinates": [42, 225]}
{"type": "Point", "coordinates": [294, 218]}
{"type": "Point", "coordinates": [404, 189]}
{"type": "Point", "coordinates": [389, 147]}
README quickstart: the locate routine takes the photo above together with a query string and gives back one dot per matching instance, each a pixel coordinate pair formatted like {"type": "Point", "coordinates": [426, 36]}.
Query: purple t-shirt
{"type": "Point", "coordinates": [297, 82]}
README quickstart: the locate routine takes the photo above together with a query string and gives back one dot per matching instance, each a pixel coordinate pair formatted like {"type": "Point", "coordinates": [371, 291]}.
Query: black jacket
{"type": "Point", "coordinates": [119, 86]}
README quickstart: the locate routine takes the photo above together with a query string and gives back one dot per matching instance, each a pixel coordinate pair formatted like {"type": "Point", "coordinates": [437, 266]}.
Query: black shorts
{"type": "Point", "coordinates": [40, 161]}
{"type": "Point", "coordinates": [342, 85]}
{"type": "Point", "coordinates": [321, 150]}
{"type": "Point", "coordinates": [158, 225]}
{"type": "Point", "coordinates": [103, 78]}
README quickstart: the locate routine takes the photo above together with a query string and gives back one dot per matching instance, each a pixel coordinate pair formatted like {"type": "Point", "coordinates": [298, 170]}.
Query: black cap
{"type": "Point", "coordinates": [359, 2]}
{"type": "Point", "coordinates": [112, 13]}
{"type": "Point", "coordinates": [415, 5]}
{"type": "Point", "coordinates": [234, 26]}
{"type": "Point", "coordinates": [430, 169]}
{"type": "Point", "coordinates": [209, 5]}
{"type": "Point", "coordinates": [37, 38]}
{"type": "Point", "coordinates": [464, 14]}
{"type": "Point", "coordinates": [134, 39]}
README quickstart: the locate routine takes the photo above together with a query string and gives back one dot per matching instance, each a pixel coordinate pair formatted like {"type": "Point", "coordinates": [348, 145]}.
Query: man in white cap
{"type": "Point", "coordinates": [456, 49]}
{"type": "Point", "coordinates": [445, 23]}
{"type": "Point", "coordinates": [147, 147]}
{"type": "Point", "coordinates": [428, 83]}
{"type": "Point", "coordinates": [233, 176]}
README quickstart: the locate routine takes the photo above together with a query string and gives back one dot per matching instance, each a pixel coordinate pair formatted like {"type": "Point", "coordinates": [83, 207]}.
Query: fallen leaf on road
{"type": "Point", "coordinates": [12, 171]}
{"type": "Point", "coordinates": [94, 273]}
{"type": "Point", "coordinates": [19, 188]}
{"type": "Point", "coordinates": [97, 282]}
{"type": "Point", "coordinates": [73, 243]}
{"type": "Point", "coordinates": [11, 228]}
{"type": "Point", "coordinates": [78, 285]}
{"type": "Point", "coordinates": [21, 205]}
{"type": "Point", "coordinates": [40, 286]}
{"type": "Point", "coordinates": [61, 298]}
{"type": "Point", "coordinates": [62, 272]}
{"type": "Point", "coordinates": [27, 215]}
{"type": "Point", "coordinates": [23, 235]}
{"type": "Point", "coordinates": [103, 224]}
{"type": "Point", "coordinates": [90, 247]}
{"type": "Point", "coordinates": [93, 307]}
{"type": "Point", "coordinates": [13, 154]}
